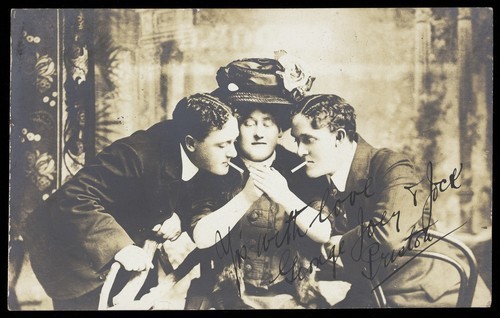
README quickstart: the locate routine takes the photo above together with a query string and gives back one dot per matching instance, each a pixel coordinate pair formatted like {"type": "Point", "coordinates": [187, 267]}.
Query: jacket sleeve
{"type": "Point", "coordinates": [390, 215]}
{"type": "Point", "coordinates": [83, 216]}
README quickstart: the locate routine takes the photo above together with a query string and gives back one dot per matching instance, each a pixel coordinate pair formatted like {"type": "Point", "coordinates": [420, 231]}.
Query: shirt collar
{"type": "Point", "coordinates": [188, 167]}
{"type": "Point", "coordinates": [339, 178]}
{"type": "Point", "coordinates": [266, 163]}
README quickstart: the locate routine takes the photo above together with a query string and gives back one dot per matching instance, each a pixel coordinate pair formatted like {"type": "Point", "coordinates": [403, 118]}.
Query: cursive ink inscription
{"type": "Point", "coordinates": [366, 248]}
{"type": "Point", "coordinates": [367, 230]}
{"type": "Point", "coordinates": [377, 256]}
{"type": "Point", "coordinates": [435, 187]}
{"type": "Point", "coordinates": [238, 255]}
{"type": "Point", "coordinates": [291, 233]}
{"type": "Point", "coordinates": [351, 197]}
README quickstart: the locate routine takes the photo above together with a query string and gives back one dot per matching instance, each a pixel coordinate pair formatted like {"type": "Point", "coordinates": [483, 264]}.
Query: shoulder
{"type": "Point", "coordinates": [144, 147]}
{"type": "Point", "coordinates": [386, 159]}
{"type": "Point", "coordinates": [154, 136]}
{"type": "Point", "coordinates": [286, 159]}
{"type": "Point", "coordinates": [392, 166]}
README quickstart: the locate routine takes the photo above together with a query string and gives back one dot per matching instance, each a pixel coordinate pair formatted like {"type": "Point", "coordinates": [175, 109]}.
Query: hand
{"type": "Point", "coordinates": [251, 191]}
{"type": "Point", "coordinates": [134, 258]}
{"type": "Point", "coordinates": [170, 229]}
{"type": "Point", "coordinates": [271, 182]}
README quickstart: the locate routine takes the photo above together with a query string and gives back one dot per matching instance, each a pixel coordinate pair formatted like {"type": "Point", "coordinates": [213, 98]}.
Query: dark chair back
{"type": "Point", "coordinates": [468, 280]}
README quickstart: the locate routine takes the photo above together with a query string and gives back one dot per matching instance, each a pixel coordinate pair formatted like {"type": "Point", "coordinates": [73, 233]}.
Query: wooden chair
{"type": "Point", "coordinates": [468, 279]}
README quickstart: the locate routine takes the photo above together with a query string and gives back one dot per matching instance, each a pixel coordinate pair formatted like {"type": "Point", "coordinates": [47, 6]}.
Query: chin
{"type": "Point", "coordinates": [220, 172]}
{"type": "Point", "coordinates": [312, 174]}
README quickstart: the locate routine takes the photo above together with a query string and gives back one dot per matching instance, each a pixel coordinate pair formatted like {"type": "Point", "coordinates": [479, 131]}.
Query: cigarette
{"type": "Point", "coordinates": [299, 166]}
{"type": "Point", "coordinates": [235, 166]}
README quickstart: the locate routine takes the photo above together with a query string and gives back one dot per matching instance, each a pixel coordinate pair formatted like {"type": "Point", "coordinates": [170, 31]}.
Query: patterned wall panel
{"type": "Point", "coordinates": [52, 105]}
{"type": "Point", "coordinates": [36, 98]}
{"type": "Point", "coordinates": [52, 113]}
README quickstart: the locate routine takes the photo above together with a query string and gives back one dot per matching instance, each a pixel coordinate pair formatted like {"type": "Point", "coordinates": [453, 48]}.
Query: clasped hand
{"type": "Point", "coordinates": [271, 182]}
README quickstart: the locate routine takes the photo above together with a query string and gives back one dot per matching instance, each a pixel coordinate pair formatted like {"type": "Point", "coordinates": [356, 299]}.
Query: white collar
{"type": "Point", "coordinates": [266, 163]}
{"type": "Point", "coordinates": [339, 178]}
{"type": "Point", "coordinates": [188, 167]}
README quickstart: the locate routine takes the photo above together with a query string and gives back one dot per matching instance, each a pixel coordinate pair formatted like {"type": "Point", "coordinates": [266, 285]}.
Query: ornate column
{"type": "Point", "coordinates": [76, 121]}
{"type": "Point", "coordinates": [466, 106]}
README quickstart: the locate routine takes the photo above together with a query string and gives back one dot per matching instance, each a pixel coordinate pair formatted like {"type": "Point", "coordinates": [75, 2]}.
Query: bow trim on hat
{"type": "Point", "coordinates": [295, 78]}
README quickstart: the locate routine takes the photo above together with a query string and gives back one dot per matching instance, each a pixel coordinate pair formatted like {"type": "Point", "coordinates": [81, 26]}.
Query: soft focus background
{"type": "Point", "coordinates": [420, 81]}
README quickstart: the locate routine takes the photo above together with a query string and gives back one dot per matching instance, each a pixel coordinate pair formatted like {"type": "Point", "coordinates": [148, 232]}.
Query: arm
{"type": "Point", "coordinates": [276, 187]}
{"type": "Point", "coordinates": [83, 216]}
{"type": "Point", "coordinates": [391, 215]}
{"type": "Point", "coordinates": [212, 223]}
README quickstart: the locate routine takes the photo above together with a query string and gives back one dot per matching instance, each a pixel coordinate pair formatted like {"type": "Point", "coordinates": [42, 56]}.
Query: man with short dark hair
{"type": "Point", "coordinates": [131, 191]}
{"type": "Point", "coordinates": [376, 219]}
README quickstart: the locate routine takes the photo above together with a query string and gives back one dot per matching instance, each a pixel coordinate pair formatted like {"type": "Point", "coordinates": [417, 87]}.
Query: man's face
{"type": "Point", "coordinates": [316, 146]}
{"type": "Point", "coordinates": [259, 136]}
{"type": "Point", "coordinates": [215, 151]}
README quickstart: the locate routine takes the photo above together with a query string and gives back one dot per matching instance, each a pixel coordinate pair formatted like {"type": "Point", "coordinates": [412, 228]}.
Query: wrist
{"type": "Point", "coordinates": [244, 199]}
{"type": "Point", "coordinates": [291, 202]}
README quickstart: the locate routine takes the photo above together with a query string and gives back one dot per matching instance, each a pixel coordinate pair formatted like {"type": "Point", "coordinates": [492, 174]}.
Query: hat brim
{"type": "Point", "coordinates": [257, 98]}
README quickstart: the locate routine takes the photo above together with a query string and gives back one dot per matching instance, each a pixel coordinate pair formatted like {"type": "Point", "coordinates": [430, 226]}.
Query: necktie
{"type": "Point", "coordinates": [340, 216]}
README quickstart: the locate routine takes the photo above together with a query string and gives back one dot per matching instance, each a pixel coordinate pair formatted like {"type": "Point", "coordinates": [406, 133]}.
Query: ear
{"type": "Point", "coordinates": [340, 136]}
{"type": "Point", "coordinates": [190, 143]}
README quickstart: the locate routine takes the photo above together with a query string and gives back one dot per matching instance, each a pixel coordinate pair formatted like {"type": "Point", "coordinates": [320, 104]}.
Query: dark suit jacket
{"type": "Point", "coordinates": [112, 202]}
{"type": "Point", "coordinates": [380, 216]}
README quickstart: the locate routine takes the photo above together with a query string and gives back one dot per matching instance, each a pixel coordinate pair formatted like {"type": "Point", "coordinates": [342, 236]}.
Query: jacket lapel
{"type": "Point", "coordinates": [355, 195]}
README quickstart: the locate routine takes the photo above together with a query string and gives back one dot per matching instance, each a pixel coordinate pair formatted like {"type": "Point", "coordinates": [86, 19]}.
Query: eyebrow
{"type": "Point", "coordinates": [227, 141]}
{"type": "Point", "coordinates": [303, 135]}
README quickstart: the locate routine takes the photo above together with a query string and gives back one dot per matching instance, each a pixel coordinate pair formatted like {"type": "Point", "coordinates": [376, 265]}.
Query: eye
{"type": "Point", "coordinates": [268, 123]}
{"type": "Point", "coordinates": [249, 122]}
{"type": "Point", "coordinates": [307, 140]}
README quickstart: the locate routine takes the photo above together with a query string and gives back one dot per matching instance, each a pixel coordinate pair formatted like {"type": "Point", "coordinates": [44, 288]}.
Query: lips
{"type": "Point", "coordinates": [259, 143]}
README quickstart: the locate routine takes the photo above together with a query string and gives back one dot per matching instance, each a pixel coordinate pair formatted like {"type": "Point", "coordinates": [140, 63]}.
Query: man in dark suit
{"type": "Point", "coordinates": [374, 214]}
{"type": "Point", "coordinates": [131, 191]}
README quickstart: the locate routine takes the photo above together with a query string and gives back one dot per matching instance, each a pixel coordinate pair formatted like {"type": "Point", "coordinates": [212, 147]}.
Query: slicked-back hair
{"type": "Point", "coordinates": [200, 114]}
{"type": "Point", "coordinates": [328, 110]}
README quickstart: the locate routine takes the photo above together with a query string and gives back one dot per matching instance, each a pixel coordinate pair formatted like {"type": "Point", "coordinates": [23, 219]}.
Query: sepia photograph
{"type": "Point", "coordinates": [251, 158]}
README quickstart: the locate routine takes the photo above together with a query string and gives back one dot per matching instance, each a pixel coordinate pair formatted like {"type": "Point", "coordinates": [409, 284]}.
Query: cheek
{"type": "Point", "coordinates": [321, 152]}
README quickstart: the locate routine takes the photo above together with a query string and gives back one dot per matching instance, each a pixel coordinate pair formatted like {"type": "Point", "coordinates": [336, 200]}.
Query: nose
{"type": "Point", "coordinates": [231, 151]}
{"type": "Point", "coordinates": [301, 150]}
{"type": "Point", "coordinates": [258, 134]}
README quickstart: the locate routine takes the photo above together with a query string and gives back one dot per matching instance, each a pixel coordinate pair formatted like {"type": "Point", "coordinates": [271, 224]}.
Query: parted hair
{"type": "Point", "coordinates": [199, 114]}
{"type": "Point", "coordinates": [328, 110]}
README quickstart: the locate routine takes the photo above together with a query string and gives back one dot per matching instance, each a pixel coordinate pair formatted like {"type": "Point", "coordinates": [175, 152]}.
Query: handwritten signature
{"type": "Point", "coordinates": [365, 249]}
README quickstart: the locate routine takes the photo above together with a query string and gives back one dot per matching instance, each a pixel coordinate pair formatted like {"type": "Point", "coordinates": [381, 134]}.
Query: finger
{"type": "Point", "coordinates": [262, 190]}
{"type": "Point", "coordinates": [156, 227]}
{"type": "Point", "coordinates": [256, 171]}
{"type": "Point", "coordinates": [261, 178]}
{"type": "Point", "coordinates": [262, 187]}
